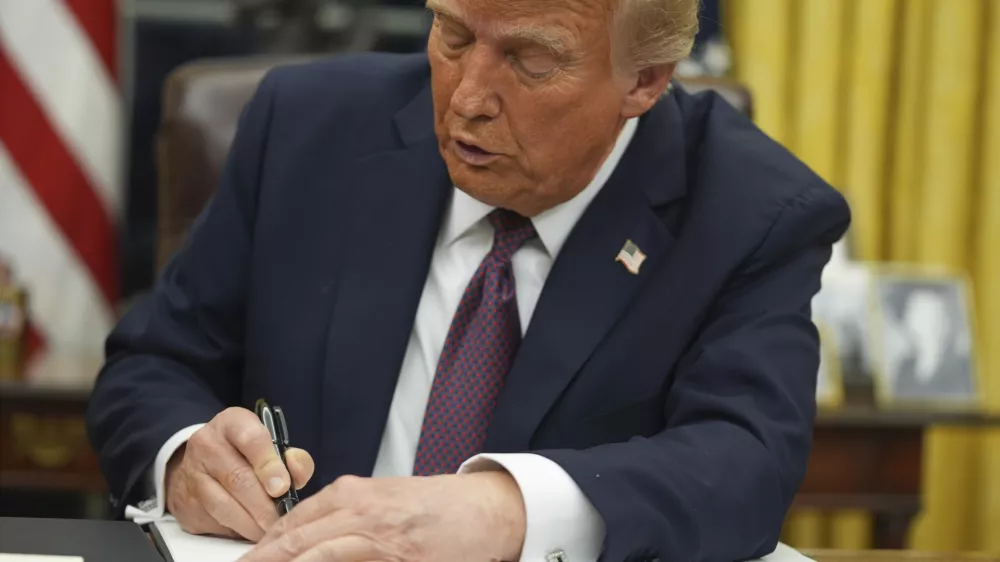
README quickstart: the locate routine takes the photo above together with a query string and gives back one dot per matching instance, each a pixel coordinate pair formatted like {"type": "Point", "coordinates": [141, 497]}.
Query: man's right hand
{"type": "Point", "coordinates": [222, 481]}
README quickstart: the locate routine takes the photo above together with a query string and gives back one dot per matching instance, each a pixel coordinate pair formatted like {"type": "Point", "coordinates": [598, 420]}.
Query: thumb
{"type": "Point", "coordinates": [300, 465]}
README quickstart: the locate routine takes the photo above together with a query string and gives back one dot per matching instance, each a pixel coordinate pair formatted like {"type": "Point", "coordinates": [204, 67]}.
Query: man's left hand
{"type": "Point", "coordinates": [467, 517]}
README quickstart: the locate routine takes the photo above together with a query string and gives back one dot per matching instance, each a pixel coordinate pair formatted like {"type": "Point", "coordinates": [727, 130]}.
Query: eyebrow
{"type": "Point", "coordinates": [439, 7]}
{"type": "Point", "coordinates": [554, 38]}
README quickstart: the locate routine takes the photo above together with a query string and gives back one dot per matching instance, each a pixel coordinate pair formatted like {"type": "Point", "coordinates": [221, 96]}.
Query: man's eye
{"type": "Point", "coordinates": [535, 67]}
{"type": "Point", "coordinates": [456, 42]}
{"type": "Point", "coordinates": [454, 38]}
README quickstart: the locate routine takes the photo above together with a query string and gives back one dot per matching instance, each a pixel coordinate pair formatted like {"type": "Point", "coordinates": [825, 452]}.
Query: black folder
{"type": "Point", "coordinates": [95, 541]}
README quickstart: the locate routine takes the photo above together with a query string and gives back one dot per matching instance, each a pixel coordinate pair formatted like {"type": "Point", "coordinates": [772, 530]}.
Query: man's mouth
{"type": "Point", "coordinates": [472, 154]}
{"type": "Point", "coordinates": [473, 148]}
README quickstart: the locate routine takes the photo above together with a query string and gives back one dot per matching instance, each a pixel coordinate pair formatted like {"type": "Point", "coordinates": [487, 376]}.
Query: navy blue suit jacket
{"type": "Point", "coordinates": [681, 399]}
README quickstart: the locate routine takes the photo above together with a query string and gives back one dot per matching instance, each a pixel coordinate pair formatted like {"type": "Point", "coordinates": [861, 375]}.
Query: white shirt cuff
{"type": "Point", "coordinates": [559, 516]}
{"type": "Point", "coordinates": [155, 508]}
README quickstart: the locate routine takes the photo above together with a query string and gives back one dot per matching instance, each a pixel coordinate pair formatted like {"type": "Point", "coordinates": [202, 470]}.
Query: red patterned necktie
{"type": "Point", "coordinates": [482, 342]}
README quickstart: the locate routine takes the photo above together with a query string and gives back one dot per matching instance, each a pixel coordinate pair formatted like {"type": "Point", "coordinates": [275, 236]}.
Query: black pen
{"type": "Point", "coordinates": [274, 420]}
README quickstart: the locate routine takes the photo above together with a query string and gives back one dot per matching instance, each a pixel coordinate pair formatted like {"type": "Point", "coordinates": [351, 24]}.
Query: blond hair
{"type": "Point", "coordinates": [654, 32]}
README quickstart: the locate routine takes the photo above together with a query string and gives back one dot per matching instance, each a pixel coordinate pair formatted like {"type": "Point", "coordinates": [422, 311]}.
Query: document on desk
{"type": "Point", "coordinates": [184, 547]}
{"type": "Point", "coordinates": [785, 553]}
{"type": "Point", "coordinates": [176, 545]}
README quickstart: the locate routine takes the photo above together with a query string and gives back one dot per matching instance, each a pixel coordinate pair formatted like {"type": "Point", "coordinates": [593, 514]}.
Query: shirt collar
{"type": "Point", "coordinates": [554, 225]}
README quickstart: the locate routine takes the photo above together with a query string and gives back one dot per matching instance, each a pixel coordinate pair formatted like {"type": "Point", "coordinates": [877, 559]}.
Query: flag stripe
{"type": "Point", "coordinates": [63, 72]}
{"type": "Point", "coordinates": [98, 19]}
{"type": "Point", "coordinates": [64, 192]}
{"type": "Point", "coordinates": [67, 308]}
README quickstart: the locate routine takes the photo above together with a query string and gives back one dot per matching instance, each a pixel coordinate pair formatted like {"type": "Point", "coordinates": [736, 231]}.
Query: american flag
{"type": "Point", "coordinates": [631, 257]}
{"type": "Point", "coordinates": [60, 164]}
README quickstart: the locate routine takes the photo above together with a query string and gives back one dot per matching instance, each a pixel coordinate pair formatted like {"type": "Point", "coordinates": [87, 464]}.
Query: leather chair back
{"type": "Point", "coordinates": [202, 102]}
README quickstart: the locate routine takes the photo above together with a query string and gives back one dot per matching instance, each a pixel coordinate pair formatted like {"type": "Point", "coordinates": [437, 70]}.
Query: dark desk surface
{"type": "Point", "coordinates": [95, 541]}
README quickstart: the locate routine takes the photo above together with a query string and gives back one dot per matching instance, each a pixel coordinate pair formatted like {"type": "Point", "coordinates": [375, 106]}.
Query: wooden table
{"type": "Point", "coordinates": [872, 460]}
{"type": "Point", "coordinates": [43, 440]}
{"type": "Point", "coordinates": [862, 458]}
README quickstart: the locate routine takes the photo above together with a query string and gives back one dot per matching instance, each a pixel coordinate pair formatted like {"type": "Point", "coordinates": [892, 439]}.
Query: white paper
{"type": "Point", "coordinates": [185, 547]}
{"type": "Point", "coordinates": [37, 558]}
{"type": "Point", "coordinates": [785, 553]}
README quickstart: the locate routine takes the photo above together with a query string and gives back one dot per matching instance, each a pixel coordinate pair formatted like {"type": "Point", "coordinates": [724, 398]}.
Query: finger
{"type": "Point", "coordinates": [228, 467]}
{"type": "Point", "coordinates": [226, 532]}
{"type": "Point", "coordinates": [306, 512]}
{"type": "Point", "coordinates": [352, 548]}
{"type": "Point", "coordinates": [205, 525]}
{"type": "Point", "coordinates": [301, 465]}
{"type": "Point", "coordinates": [224, 509]}
{"type": "Point", "coordinates": [195, 520]}
{"type": "Point", "coordinates": [296, 541]}
{"type": "Point", "coordinates": [316, 507]}
{"type": "Point", "coordinates": [244, 431]}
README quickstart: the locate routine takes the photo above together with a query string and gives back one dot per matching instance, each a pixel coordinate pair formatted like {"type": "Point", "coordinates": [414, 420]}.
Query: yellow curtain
{"type": "Point", "coordinates": [986, 271]}
{"type": "Point", "coordinates": [897, 103]}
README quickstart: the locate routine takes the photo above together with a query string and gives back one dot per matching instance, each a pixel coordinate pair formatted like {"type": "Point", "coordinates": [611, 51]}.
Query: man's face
{"type": "Point", "coordinates": [526, 101]}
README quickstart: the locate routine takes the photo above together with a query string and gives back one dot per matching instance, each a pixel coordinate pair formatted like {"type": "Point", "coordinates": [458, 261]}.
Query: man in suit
{"type": "Point", "coordinates": [515, 302]}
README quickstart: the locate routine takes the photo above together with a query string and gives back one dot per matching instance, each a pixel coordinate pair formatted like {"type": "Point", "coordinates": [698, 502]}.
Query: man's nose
{"type": "Point", "coordinates": [475, 96]}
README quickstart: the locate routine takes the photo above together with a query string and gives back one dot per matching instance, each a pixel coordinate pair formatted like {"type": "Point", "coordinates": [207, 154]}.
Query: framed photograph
{"type": "Point", "coordinates": [924, 342]}
{"type": "Point", "coordinates": [841, 307]}
{"type": "Point", "coordinates": [829, 383]}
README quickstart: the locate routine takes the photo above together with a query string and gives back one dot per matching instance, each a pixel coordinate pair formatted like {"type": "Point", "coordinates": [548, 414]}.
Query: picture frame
{"type": "Point", "coordinates": [842, 308]}
{"type": "Point", "coordinates": [923, 336]}
{"type": "Point", "coordinates": [829, 379]}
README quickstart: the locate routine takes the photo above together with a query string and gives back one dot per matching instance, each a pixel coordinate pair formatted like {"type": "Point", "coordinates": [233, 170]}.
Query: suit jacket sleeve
{"type": "Point", "coordinates": [176, 358]}
{"type": "Point", "coordinates": [716, 484]}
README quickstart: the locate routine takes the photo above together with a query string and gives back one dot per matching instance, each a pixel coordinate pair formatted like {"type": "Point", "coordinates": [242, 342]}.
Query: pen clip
{"type": "Point", "coordinates": [266, 416]}
{"type": "Point", "coordinates": [259, 408]}
{"type": "Point", "coordinates": [280, 426]}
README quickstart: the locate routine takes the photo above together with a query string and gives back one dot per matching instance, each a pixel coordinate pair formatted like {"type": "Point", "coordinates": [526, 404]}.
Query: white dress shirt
{"type": "Point", "coordinates": [559, 516]}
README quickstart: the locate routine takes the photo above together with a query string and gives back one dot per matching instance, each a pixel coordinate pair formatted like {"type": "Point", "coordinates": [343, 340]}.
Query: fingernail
{"type": "Point", "coordinates": [275, 486]}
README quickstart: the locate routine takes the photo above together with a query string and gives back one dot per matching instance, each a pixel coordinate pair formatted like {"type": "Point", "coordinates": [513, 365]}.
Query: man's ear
{"type": "Point", "coordinates": [650, 83]}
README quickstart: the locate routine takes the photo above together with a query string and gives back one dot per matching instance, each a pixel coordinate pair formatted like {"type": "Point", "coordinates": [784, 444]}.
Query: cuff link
{"type": "Point", "coordinates": [556, 556]}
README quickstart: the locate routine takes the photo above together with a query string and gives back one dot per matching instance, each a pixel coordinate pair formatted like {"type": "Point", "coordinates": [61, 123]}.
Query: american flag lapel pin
{"type": "Point", "coordinates": [631, 257]}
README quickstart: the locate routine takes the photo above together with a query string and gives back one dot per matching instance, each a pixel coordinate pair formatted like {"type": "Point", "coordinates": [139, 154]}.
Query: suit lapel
{"type": "Point", "coordinates": [587, 290]}
{"type": "Point", "coordinates": [395, 217]}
